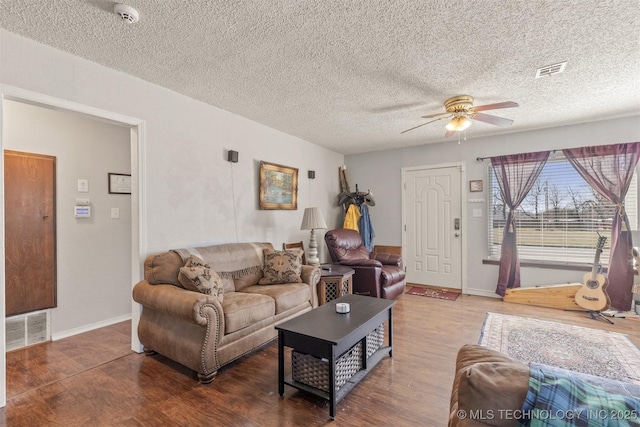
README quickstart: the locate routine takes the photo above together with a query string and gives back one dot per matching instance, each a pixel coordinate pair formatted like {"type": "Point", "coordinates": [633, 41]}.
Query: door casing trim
{"type": "Point", "coordinates": [461, 166]}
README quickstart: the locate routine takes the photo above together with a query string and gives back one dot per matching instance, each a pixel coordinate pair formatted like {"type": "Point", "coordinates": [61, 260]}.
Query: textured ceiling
{"type": "Point", "coordinates": [351, 75]}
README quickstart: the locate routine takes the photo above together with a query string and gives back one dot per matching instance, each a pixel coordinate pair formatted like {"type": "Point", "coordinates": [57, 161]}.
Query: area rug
{"type": "Point", "coordinates": [432, 293]}
{"type": "Point", "coordinates": [590, 351]}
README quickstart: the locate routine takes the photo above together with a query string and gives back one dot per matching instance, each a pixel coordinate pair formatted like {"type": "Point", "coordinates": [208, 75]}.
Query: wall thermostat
{"type": "Point", "coordinates": [82, 211]}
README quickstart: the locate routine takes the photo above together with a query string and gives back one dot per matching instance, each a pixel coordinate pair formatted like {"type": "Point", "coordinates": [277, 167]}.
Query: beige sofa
{"type": "Point", "coordinates": [202, 333]}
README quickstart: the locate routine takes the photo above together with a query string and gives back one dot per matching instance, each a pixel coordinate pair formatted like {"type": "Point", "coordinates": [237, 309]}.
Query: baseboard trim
{"type": "Point", "coordinates": [90, 327]}
{"type": "Point", "coordinates": [482, 293]}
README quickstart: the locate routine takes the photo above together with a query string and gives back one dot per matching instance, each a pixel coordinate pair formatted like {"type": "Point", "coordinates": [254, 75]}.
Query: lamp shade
{"type": "Point", "coordinates": [312, 219]}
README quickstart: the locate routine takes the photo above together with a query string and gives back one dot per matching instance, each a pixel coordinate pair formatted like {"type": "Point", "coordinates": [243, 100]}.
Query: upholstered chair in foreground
{"type": "Point", "coordinates": [378, 275]}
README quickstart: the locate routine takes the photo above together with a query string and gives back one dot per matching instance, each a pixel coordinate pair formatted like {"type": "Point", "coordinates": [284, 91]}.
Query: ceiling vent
{"type": "Point", "coordinates": [550, 70]}
{"type": "Point", "coordinates": [127, 13]}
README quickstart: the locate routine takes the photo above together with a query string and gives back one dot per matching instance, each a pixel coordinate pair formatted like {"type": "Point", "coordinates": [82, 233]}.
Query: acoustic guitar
{"type": "Point", "coordinates": [592, 296]}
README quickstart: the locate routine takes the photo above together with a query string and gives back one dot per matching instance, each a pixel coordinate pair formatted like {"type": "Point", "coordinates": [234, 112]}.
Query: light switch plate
{"type": "Point", "coordinates": [115, 213]}
{"type": "Point", "coordinates": [83, 186]}
{"type": "Point", "coordinates": [477, 213]}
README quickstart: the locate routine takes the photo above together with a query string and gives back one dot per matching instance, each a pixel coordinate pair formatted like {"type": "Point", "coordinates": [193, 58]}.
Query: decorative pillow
{"type": "Point", "coordinates": [200, 277]}
{"type": "Point", "coordinates": [298, 251]}
{"type": "Point", "coordinates": [281, 267]}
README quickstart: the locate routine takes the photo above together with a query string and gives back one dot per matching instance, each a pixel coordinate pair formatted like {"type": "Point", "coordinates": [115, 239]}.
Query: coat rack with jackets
{"type": "Point", "coordinates": [355, 207]}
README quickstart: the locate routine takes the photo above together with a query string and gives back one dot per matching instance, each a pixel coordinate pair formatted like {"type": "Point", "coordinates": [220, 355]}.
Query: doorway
{"type": "Point", "coordinates": [138, 242]}
{"type": "Point", "coordinates": [433, 234]}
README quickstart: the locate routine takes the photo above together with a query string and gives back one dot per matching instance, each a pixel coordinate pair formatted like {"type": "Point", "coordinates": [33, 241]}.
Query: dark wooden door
{"type": "Point", "coordinates": [30, 232]}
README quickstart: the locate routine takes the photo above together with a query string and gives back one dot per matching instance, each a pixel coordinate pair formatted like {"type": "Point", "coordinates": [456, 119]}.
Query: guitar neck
{"type": "Point", "coordinates": [596, 262]}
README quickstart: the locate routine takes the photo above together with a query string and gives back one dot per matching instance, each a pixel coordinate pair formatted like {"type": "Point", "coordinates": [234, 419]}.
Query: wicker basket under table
{"type": "Point", "coordinates": [314, 372]}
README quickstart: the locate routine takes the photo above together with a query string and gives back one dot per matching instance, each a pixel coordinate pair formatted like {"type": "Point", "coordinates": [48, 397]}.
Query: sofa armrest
{"type": "Point", "coordinates": [487, 382]}
{"type": "Point", "coordinates": [178, 302]}
{"type": "Point", "coordinates": [311, 276]}
{"type": "Point", "coordinates": [361, 263]}
{"type": "Point", "coordinates": [387, 259]}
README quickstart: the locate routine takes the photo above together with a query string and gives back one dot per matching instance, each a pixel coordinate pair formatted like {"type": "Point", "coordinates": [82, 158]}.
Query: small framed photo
{"type": "Point", "coordinates": [119, 183]}
{"type": "Point", "coordinates": [475, 186]}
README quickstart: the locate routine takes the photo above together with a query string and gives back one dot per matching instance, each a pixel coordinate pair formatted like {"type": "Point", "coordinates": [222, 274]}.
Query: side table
{"type": "Point", "coordinates": [334, 283]}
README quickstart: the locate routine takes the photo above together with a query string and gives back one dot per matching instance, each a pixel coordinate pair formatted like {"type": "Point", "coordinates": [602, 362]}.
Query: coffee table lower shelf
{"type": "Point", "coordinates": [372, 361]}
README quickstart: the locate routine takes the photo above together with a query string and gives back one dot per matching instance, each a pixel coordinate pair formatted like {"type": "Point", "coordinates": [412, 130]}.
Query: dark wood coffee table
{"type": "Point", "coordinates": [323, 333]}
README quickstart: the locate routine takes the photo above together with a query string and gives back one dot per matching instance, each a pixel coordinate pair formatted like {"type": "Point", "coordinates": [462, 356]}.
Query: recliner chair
{"type": "Point", "coordinates": [378, 275]}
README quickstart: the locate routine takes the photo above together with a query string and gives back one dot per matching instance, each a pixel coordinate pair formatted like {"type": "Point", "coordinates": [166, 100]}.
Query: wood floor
{"type": "Point", "coordinates": [93, 379]}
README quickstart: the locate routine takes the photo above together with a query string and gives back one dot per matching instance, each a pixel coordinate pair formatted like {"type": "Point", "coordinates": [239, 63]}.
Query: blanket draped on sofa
{"type": "Point", "coordinates": [563, 398]}
{"type": "Point", "coordinates": [230, 261]}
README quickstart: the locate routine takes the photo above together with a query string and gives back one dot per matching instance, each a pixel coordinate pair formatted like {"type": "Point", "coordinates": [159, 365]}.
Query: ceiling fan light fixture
{"type": "Point", "coordinates": [461, 111]}
{"type": "Point", "coordinates": [458, 124]}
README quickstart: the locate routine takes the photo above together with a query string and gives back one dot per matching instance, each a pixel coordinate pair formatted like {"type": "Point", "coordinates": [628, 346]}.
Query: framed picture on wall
{"type": "Point", "coordinates": [475, 186]}
{"type": "Point", "coordinates": [278, 187]}
{"type": "Point", "coordinates": [119, 183]}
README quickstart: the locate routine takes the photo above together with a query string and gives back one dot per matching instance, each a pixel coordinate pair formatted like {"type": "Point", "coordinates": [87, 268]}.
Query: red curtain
{"type": "Point", "coordinates": [515, 174]}
{"type": "Point", "coordinates": [609, 169]}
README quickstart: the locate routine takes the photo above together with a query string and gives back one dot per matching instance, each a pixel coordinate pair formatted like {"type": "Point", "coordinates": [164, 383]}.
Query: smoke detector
{"type": "Point", "coordinates": [127, 13]}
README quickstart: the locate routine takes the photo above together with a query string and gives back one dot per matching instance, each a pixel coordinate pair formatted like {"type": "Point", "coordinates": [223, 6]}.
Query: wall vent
{"type": "Point", "coordinates": [27, 329]}
{"type": "Point", "coordinates": [550, 70]}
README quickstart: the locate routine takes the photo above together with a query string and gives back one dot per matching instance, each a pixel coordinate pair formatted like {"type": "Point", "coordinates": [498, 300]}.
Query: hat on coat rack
{"type": "Point", "coordinates": [344, 197]}
{"type": "Point", "coordinates": [368, 198]}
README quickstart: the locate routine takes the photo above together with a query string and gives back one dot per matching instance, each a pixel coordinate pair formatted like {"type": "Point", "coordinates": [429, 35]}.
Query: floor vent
{"type": "Point", "coordinates": [550, 70]}
{"type": "Point", "coordinates": [27, 329]}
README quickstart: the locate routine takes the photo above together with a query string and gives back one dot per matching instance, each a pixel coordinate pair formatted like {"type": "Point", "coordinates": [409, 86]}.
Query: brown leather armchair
{"type": "Point", "coordinates": [379, 275]}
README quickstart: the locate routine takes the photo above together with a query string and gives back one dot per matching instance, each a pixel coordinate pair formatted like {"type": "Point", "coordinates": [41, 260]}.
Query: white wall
{"type": "Point", "coordinates": [381, 172]}
{"type": "Point", "coordinates": [93, 254]}
{"type": "Point", "coordinates": [194, 196]}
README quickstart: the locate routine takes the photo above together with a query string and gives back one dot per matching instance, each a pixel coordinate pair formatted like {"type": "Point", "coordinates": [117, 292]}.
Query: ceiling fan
{"type": "Point", "coordinates": [461, 111]}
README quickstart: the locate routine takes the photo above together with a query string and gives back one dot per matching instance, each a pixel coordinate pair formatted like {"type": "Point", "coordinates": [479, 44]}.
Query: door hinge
{"type": "Point", "coordinates": [405, 227]}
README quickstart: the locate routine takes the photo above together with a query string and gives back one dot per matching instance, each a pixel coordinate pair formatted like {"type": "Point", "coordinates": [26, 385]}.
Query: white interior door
{"type": "Point", "coordinates": [433, 227]}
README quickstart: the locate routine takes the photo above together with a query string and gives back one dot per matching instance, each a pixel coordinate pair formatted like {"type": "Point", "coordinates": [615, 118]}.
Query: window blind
{"type": "Point", "coordinates": [560, 218]}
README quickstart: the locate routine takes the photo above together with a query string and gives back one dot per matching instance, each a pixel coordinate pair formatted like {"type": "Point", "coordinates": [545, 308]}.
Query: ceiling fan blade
{"type": "Point", "coordinates": [449, 133]}
{"type": "Point", "coordinates": [435, 115]}
{"type": "Point", "coordinates": [492, 120]}
{"type": "Point", "coordinates": [507, 104]}
{"type": "Point", "coordinates": [416, 127]}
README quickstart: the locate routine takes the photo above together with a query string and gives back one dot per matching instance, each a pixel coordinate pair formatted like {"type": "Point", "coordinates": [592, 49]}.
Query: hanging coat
{"type": "Point", "coordinates": [352, 217]}
{"type": "Point", "coordinates": [366, 229]}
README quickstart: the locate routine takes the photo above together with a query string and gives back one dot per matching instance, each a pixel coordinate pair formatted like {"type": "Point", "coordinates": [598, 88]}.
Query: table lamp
{"type": "Point", "coordinates": [311, 220]}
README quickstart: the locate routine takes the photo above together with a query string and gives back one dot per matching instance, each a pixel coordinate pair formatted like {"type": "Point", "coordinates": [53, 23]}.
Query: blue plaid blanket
{"type": "Point", "coordinates": [558, 399]}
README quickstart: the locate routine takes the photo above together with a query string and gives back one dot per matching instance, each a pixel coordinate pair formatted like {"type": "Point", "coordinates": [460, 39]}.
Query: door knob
{"type": "Point", "coordinates": [457, 234]}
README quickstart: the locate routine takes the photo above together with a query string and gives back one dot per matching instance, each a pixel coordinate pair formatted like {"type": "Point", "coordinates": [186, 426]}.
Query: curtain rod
{"type": "Point", "coordinates": [481, 159]}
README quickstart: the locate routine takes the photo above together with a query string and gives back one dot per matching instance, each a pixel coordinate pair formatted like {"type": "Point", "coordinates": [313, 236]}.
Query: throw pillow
{"type": "Point", "coordinates": [200, 277]}
{"type": "Point", "coordinates": [281, 267]}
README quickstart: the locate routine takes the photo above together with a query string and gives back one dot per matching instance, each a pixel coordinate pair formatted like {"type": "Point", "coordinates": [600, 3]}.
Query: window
{"type": "Point", "coordinates": [560, 218]}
